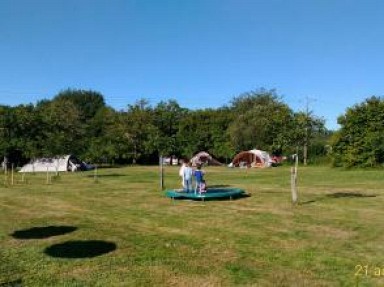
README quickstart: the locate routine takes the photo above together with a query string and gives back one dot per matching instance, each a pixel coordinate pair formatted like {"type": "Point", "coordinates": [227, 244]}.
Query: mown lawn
{"type": "Point", "coordinates": [122, 231]}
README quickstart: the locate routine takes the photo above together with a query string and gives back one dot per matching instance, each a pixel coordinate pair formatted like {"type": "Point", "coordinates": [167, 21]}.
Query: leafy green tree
{"type": "Point", "coordinates": [107, 144]}
{"type": "Point", "coordinates": [305, 129]}
{"type": "Point", "coordinates": [222, 147]}
{"type": "Point", "coordinates": [360, 141]}
{"type": "Point", "coordinates": [5, 128]}
{"type": "Point", "coordinates": [138, 129]}
{"type": "Point", "coordinates": [206, 130]}
{"type": "Point", "coordinates": [61, 131]}
{"type": "Point", "coordinates": [79, 122]}
{"type": "Point", "coordinates": [19, 130]}
{"type": "Point", "coordinates": [24, 131]}
{"type": "Point", "coordinates": [261, 121]}
{"type": "Point", "coordinates": [166, 119]}
{"type": "Point", "coordinates": [87, 102]}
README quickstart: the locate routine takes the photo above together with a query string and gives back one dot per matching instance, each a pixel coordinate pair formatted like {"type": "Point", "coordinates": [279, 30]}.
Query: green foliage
{"type": "Point", "coordinates": [60, 119]}
{"type": "Point", "coordinates": [360, 141]}
{"type": "Point", "coordinates": [259, 120]}
{"type": "Point", "coordinates": [205, 130]}
{"type": "Point", "coordinates": [166, 119]}
{"type": "Point", "coordinates": [107, 142]}
{"type": "Point", "coordinates": [137, 126]}
{"type": "Point", "coordinates": [264, 121]}
{"type": "Point", "coordinates": [88, 103]}
{"type": "Point", "coordinates": [78, 122]}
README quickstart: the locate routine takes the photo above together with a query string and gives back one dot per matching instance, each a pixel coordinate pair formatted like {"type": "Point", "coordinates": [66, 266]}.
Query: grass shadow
{"type": "Point", "coordinates": [349, 194]}
{"type": "Point", "coordinates": [80, 249]}
{"type": "Point", "coordinates": [15, 283]}
{"type": "Point", "coordinates": [338, 195]}
{"type": "Point", "coordinates": [219, 186]}
{"type": "Point", "coordinates": [307, 202]}
{"type": "Point", "coordinates": [234, 197]}
{"type": "Point", "coordinates": [227, 198]}
{"type": "Point", "coordinates": [108, 175]}
{"type": "Point", "coordinates": [42, 232]}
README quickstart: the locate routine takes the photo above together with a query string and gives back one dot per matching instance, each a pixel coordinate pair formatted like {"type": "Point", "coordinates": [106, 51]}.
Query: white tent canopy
{"type": "Point", "coordinates": [55, 164]}
{"type": "Point", "coordinates": [204, 158]}
{"type": "Point", "coordinates": [251, 158]}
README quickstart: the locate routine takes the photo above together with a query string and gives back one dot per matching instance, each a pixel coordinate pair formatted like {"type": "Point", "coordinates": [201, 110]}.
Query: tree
{"type": "Point", "coordinates": [5, 126]}
{"type": "Point", "coordinates": [108, 143]}
{"type": "Point", "coordinates": [138, 128]}
{"type": "Point", "coordinates": [261, 121]}
{"type": "Point", "coordinates": [205, 130]}
{"type": "Point", "coordinates": [61, 132]}
{"type": "Point", "coordinates": [360, 140]}
{"type": "Point", "coordinates": [166, 118]}
{"type": "Point", "coordinates": [23, 132]}
{"type": "Point", "coordinates": [306, 127]}
{"type": "Point", "coordinates": [19, 130]}
{"type": "Point", "coordinates": [88, 103]}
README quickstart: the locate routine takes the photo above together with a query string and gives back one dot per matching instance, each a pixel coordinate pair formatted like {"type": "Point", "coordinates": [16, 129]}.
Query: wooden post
{"type": "Point", "coordinates": [161, 172]}
{"type": "Point", "coordinates": [12, 178]}
{"type": "Point", "coordinates": [47, 176]}
{"type": "Point", "coordinates": [294, 181]}
{"type": "Point", "coordinates": [57, 168]}
{"type": "Point", "coordinates": [5, 179]}
{"type": "Point", "coordinates": [95, 179]}
{"type": "Point", "coordinates": [5, 163]}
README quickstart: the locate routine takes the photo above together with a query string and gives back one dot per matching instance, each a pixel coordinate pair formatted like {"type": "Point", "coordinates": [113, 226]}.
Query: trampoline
{"type": "Point", "coordinates": [211, 193]}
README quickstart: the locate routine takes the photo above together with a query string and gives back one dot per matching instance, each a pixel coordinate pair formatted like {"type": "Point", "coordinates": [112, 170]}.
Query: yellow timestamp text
{"type": "Point", "coordinates": [369, 270]}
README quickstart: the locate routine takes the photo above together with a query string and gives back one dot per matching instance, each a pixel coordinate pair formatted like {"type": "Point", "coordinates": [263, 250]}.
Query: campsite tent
{"type": "Point", "coordinates": [251, 158]}
{"type": "Point", "coordinates": [204, 158]}
{"type": "Point", "coordinates": [55, 164]}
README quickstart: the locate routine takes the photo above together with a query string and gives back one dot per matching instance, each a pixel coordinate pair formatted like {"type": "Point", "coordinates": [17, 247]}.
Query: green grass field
{"type": "Point", "coordinates": [334, 237]}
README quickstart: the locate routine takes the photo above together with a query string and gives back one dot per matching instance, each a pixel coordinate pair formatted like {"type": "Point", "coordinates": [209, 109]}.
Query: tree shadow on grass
{"type": "Point", "coordinates": [108, 175]}
{"type": "Point", "coordinates": [308, 201]}
{"type": "Point", "coordinates": [339, 195]}
{"type": "Point", "coordinates": [15, 283]}
{"type": "Point", "coordinates": [350, 194]}
{"type": "Point", "coordinates": [42, 232]}
{"type": "Point", "coordinates": [80, 249]}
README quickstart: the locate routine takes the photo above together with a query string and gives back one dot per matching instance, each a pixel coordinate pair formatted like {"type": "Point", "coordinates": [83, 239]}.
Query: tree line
{"type": "Point", "coordinates": [79, 122]}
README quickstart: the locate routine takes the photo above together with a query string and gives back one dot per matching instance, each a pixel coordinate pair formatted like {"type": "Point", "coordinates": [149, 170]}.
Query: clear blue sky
{"type": "Point", "coordinates": [200, 52]}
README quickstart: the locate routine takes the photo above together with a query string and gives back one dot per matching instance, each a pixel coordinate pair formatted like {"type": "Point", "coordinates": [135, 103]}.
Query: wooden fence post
{"type": "Point", "coordinates": [294, 181]}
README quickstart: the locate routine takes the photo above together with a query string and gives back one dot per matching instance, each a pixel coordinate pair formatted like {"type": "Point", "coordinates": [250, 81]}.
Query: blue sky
{"type": "Point", "coordinates": [202, 53]}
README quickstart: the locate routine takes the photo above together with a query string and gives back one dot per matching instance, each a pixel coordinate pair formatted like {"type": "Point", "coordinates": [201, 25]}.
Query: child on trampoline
{"type": "Point", "coordinates": [203, 186]}
{"type": "Point", "coordinates": [187, 177]}
{"type": "Point", "coordinates": [199, 178]}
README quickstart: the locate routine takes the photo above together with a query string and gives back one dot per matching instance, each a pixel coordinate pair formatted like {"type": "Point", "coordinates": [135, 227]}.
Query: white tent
{"type": "Point", "coordinates": [55, 164]}
{"type": "Point", "coordinates": [204, 158]}
{"type": "Point", "coordinates": [251, 158]}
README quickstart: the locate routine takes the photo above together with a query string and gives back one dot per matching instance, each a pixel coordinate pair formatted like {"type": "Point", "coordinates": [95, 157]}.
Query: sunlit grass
{"type": "Point", "coordinates": [261, 240]}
